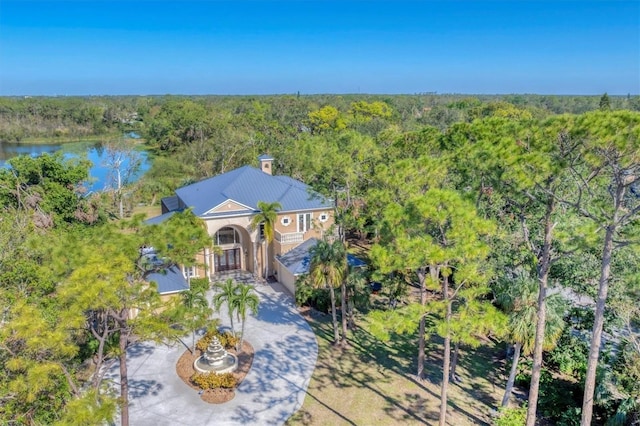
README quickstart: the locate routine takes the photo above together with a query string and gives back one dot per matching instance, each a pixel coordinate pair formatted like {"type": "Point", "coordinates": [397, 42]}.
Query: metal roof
{"type": "Point", "coordinates": [248, 185]}
{"type": "Point", "coordinates": [298, 260]}
{"type": "Point", "coordinates": [156, 220]}
{"type": "Point", "coordinates": [171, 203]}
{"type": "Point", "coordinates": [169, 280]}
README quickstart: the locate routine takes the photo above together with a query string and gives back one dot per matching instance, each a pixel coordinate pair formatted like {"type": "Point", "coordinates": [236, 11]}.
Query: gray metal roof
{"type": "Point", "coordinates": [156, 220]}
{"type": "Point", "coordinates": [171, 203]}
{"type": "Point", "coordinates": [248, 185]}
{"type": "Point", "coordinates": [298, 260]}
{"type": "Point", "coordinates": [169, 280]}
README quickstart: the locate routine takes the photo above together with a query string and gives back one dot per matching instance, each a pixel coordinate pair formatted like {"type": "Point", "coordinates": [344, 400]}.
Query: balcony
{"type": "Point", "coordinates": [290, 237]}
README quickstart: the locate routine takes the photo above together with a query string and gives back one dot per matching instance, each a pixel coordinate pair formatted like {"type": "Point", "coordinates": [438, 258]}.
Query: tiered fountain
{"type": "Point", "coordinates": [216, 359]}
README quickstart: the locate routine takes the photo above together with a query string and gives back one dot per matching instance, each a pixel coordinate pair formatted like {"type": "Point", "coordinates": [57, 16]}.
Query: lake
{"type": "Point", "coordinates": [94, 152]}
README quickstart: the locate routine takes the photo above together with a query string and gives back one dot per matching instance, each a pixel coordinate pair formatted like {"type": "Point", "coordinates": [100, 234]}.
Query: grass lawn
{"type": "Point", "coordinates": [149, 211]}
{"type": "Point", "coordinates": [372, 383]}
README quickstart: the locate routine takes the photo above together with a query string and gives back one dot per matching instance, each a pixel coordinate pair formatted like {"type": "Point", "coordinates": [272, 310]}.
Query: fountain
{"type": "Point", "coordinates": [216, 359]}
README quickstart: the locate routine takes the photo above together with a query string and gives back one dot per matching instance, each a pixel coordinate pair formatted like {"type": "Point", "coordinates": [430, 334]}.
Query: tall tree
{"type": "Point", "coordinates": [194, 309]}
{"type": "Point", "coordinates": [442, 231]}
{"type": "Point", "coordinates": [119, 303]}
{"type": "Point", "coordinates": [187, 235]}
{"type": "Point", "coordinates": [473, 320]}
{"type": "Point", "coordinates": [327, 269]}
{"type": "Point", "coordinates": [396, 186]}
{"type": "Point", "coordinates": [266, 218]}
{"type": "Point", "coordinates": [605, 103]}
{"type": "Point", "coordinates": [122, 162]}
{"type": "Point", "coordinates": [226, 295]}
{"type": "Point", "coordinates": [245, 300]}
{"type": "Point", "coordinates": [611, 153]}
{"type": "Point", "coordinates": [517, 296]}
{"type": "Point", "coordinates": [517, 169]}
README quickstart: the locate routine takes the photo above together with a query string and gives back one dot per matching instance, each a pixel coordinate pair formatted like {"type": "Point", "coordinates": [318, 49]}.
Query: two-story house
{"type": "Point", "coordinates": [228, 202]}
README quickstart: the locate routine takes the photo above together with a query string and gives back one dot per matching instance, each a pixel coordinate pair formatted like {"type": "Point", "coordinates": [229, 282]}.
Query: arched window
{"type": "Point", "coordinates": [226, 236]}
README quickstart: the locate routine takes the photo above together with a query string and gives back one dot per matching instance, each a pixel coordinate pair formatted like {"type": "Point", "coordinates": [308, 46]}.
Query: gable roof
{"type": "Point", "coordinates": [248, 185]}
{"type": "Point", "coordinates": [298, 260]}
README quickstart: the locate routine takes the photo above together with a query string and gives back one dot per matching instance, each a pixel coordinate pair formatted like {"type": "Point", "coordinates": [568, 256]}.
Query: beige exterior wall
{"type": "Point", "coordinates": [168, 297]}
{"type": "Point", "coordinates": [246, 245]}
{"type": "Point", "coordinates": [317, 227]}
{"type": "Point", "coordinates": [206, 265]}
{"type": "Point", "coordinates": [317, 230]}
{"type": "Point", "coordinates": [286, 278]}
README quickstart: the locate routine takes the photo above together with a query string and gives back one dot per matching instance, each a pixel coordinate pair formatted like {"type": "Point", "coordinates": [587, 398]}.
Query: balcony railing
{"type": "Point", "coordinates": [290, 237]}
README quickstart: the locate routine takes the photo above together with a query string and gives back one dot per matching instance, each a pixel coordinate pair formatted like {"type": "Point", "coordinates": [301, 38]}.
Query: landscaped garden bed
{"type": "Point", "coordinates": [228, 382]}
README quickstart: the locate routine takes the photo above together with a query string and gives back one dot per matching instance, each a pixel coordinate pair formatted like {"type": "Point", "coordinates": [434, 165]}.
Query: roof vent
{"type": "Point", "coordinates": [266, 163]}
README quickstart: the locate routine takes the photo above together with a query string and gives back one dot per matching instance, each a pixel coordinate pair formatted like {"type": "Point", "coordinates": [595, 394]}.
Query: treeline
{"type": "Point", "coordinates": [491, 209]}
{"type": "Point", "coordinates": [68, 118]}
{"type": "Point", "coordinates": [480, 204]}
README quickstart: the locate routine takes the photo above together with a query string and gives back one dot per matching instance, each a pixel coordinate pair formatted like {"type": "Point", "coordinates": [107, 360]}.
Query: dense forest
{"type": "Point", "coordinates": [515, 219]}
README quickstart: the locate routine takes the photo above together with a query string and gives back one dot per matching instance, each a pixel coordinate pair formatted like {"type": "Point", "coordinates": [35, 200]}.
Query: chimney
{"type": "Point", "coordinates": [266, 163]}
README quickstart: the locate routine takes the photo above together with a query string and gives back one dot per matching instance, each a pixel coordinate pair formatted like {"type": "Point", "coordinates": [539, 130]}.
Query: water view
{"type": "Point", "coordinates": [95, 152]}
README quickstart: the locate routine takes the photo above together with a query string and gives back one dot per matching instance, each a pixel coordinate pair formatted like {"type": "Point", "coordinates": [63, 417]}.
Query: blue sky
{"type": "Point", "coordinates": [265, 47]}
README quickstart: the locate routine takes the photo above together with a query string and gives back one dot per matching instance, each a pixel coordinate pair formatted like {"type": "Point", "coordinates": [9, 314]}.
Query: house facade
{"type": "Point", "coordinates": [227, 204]}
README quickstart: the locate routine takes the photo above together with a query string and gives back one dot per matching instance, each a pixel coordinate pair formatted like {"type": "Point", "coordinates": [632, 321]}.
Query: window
{"type": "Point", "coordinates": [304, 222]}
{"type": "Point", "coordinates": [190, 271]}
{"type": "Point", "coordinates": [227, 236]}
{"type": "Point", "coordinates": [324, 217]}
{"type": "Point", "coordinates": [285, 221]}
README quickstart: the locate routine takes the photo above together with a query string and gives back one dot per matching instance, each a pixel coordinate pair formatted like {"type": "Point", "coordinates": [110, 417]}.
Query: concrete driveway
{"type": "Point", "coordinates": [285, 357]}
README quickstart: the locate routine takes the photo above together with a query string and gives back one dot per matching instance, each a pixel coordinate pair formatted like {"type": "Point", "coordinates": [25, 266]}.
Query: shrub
{"type": "Point", "coordinates": [200, 284]}
{"type": "Point", "coordinates": [227, 339]}
{"type": "Point", "coordinates": [214, 381]}
{"type": "Point", "coordinates": [306, 295]}
{"type": "Point", "coordinates": [511, 416]}
{"type": "Point", "coordinates": [206, 339]}
{"type": "Point", "coordinates": [304, 291]}
{"type": "Point", "coordinates": [570, 355]}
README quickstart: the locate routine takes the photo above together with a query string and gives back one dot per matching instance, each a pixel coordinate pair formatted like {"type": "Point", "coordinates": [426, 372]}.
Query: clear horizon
{"type": "Point", "coordinates": [96, 48]}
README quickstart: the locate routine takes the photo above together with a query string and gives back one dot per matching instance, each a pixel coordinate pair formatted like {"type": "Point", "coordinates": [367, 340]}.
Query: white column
{"type": "Point", "coordinates": [207, 263]}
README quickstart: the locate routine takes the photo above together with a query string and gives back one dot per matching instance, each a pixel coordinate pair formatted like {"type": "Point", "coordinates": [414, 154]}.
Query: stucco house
{"type": "Point", "coordinates": [228, 202]}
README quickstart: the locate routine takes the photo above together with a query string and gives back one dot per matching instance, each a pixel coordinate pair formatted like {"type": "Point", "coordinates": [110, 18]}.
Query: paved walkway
{"type": "Point", "coordinates": [285, 356]}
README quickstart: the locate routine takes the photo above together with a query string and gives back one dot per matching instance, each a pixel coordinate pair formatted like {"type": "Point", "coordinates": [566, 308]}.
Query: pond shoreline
{"type": "Point", "coordinates": [95, 151]}
{"type": "Point", "coordinates": [59, 140]}
{"type": "Point", "coordinates": [53, 140]}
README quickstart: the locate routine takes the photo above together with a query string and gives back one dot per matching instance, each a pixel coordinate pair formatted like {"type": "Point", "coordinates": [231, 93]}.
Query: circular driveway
{"type": "Point", "coordinates": [285, 356]}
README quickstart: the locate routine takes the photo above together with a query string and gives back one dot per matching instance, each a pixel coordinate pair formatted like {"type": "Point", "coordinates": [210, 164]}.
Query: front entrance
{"type": "Point", "coordinates": [229, 260]}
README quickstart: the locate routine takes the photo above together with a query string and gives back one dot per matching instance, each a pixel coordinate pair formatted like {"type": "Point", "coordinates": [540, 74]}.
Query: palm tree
{"type": "Point", "coordinates": [195, 310]}
{"type": "Point", "coordinates": [245, 299]}
{"type": "Point", "coordinates": [518, 297]}
{"type": "Point", "coordinates": [226, 295]}
{"type": "Point", "coordinates": [267, 218]}
{"type": "Point", "coordinates": [327, 269]}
